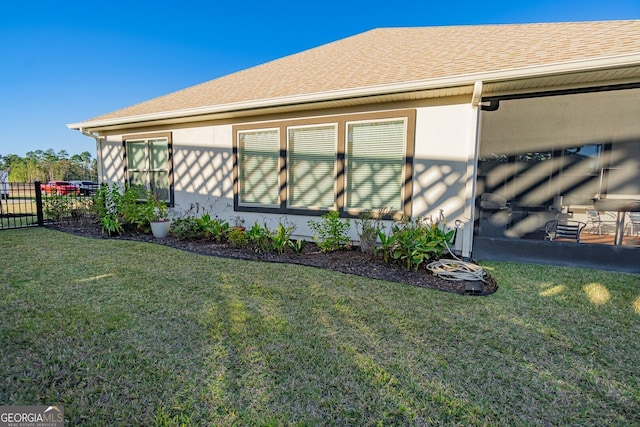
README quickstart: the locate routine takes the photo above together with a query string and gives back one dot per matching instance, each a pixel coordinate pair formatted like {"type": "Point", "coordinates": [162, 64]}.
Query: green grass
{"type": "Point", "coordinates": [126, 333]}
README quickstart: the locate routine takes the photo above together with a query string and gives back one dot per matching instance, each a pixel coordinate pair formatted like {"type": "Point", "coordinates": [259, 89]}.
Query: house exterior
{"type": "Point", "coordinates": [502, 127]}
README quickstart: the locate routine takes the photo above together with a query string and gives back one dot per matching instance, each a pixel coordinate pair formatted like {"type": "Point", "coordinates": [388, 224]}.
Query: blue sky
{"type": "Point", "coordinates": [68, 61]}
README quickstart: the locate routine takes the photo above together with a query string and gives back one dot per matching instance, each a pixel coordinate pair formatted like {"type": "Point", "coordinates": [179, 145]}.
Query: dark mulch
{"type": "Point", "coordinates": [349, 261]}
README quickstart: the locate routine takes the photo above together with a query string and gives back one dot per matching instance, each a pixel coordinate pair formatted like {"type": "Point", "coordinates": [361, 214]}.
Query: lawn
{"type": "Point", "coordinates": [130, 333]}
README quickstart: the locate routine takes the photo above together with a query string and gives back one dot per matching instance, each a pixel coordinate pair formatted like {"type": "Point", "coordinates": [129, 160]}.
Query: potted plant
{"type": "Point", "coordinates": [160, 222]}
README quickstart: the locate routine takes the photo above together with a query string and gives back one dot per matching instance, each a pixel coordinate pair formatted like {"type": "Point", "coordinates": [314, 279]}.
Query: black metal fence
{"type": "Point", "coordinates": [26, 205]}
{"type": "Point", "coordinates": [21, 206]}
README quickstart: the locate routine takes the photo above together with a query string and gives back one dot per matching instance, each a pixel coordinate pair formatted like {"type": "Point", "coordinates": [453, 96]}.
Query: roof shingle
{"type": "Point", "coordinates": [394, 55]}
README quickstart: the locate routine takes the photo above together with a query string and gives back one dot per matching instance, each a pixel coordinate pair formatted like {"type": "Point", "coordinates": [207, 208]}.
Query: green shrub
{"type": "Point", "coordinates": [331, 233]}
{"type": "Point", "coordinates": [387, 242]}
{"type": "Point", "coordinates": [280, 237]}
{"type": "Point", "coordinates": [214, 228]}
{"type": "Point", "coordinates": [57, 208]}
{"type": "Point", "coordinates": [368, 225]}
{"type": "Point", "coordinates": [139, 208]}
{"type": "Point", "coordinates": [135, 206]}
{"type": "Point", "coordinates": [187, 228]}
{"type": "Point", "coordinates": [237, 237]}
{"type": "Point", "coordinates": [106, 203]}
{"type": "Point", "coordinates": [297, 246]}
{"type": "Point", "coordinates": [259, 236]}
{"type": "Point", "coordinates": [418, 242]}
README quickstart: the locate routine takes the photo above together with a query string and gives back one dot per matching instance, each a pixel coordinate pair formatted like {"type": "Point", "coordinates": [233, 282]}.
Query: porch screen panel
{"type": "Point", "coordinates": [311, 167]}
{"type": "Point", "coordinates": [375, 160]}
{"type": "Point", "coordinates": [258, 167]}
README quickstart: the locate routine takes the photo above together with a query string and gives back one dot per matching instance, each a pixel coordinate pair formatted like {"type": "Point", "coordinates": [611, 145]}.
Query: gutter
{"type": "Point", "coordinates": [412, 86]}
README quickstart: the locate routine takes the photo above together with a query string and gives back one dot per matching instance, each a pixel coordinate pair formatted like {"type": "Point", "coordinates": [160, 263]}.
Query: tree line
{"type": "Point", "coordinates": [49, 165]}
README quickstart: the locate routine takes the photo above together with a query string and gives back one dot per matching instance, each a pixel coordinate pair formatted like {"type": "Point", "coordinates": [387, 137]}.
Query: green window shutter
{"type": "Point", "coordinates": [258, 167]}
{"type": "Point", "coordinates": [374, 164]}
{"type": "Point", "coordinates": [311, 167]}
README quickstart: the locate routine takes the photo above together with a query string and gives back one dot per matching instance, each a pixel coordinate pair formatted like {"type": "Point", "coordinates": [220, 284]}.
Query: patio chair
{"type": "Point", "coordinates": [492, 201]}
{"type": "Point", "coordinates": [566, 229]}
{"type": "Point", "coordinates": [596, 220]}
{"type": "Point", "coordinates": [634, 222]}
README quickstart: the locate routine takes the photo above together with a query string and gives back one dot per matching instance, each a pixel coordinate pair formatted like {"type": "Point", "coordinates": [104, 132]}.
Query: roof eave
{"type": "Point", "coordinates": [613, 61]}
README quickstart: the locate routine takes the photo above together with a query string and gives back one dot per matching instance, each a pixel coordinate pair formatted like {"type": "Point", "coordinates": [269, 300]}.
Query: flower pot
{"type": "Point", "coordinates": [160, 229]}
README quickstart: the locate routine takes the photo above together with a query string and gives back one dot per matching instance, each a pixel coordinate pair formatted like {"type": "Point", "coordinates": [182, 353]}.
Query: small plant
{"type": "Point", "coordinates": [297, 246]}
{"type": "Point", "coordinates": [387, 242]}
{"type": "Point", "coordinates": [136, 206]}
{"type": "Point", "coordinates": [259, 236]}
{"type": "Point", "coordinates": [214, 228]}
{"type": "Point", "coordinates": [57, 208]}
{"type": "Point", "coordinates": [187, 228]}
{"type": "Point", "coordinates": [418, 242]}
{"type": "Point", "coordinates": [331, 233]}
{"type": "Point", "coordinates": [106, 203]}
{"type": "Point", "coordinates": [237, 237]}
{"type": "Point", "coordinates": [280, 237]}
{"type": "Point", "coordinates": [131, 210]}
{"type": "Point", "coordinates": [368, 225]}
{"type": "Point", "coordinates": [111, 225]}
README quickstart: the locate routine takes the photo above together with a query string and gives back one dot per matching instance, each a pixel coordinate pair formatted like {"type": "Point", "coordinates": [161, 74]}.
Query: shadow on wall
{"type": "Point", "coordinates": [112, 155]}
{"type": "Point", "coordinates": [203, 175]}
{"type": "Point", "coordinates": [439, 184]}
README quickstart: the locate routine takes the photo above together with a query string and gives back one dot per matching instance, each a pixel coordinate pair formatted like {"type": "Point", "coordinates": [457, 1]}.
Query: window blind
{"type": "Point", "coordinates": [311, 167]}
{"type": "Point", "coordinates": [258, 163]}
{"type": "Point", "coordinates": [374, 164]}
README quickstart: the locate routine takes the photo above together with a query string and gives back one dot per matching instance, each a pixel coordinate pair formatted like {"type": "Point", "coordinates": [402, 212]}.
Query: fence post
{"type": "Point", "coordinates": [39, 204]}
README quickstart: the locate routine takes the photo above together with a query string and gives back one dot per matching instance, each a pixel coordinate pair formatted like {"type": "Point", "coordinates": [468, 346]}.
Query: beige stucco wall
{"type": "Point", "coordinates": [443, 166]}
{"type": "Point", "coordinates": [111, 159]}
{"type": "Point", "coordinates": [203, 168]}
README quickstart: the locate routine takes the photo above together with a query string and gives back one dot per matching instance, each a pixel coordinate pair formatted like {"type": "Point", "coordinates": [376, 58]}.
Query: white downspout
{"type": "Point", "coordinates": [99, 140]}
{"type": "Point", "coordinates": [472, 165]}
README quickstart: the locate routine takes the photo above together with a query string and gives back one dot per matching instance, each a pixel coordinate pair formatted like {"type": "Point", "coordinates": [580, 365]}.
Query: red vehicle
{"type": "Point", "coordinates": [59, 187]}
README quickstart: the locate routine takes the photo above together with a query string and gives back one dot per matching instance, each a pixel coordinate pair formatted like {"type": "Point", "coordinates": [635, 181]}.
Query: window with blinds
{"type": "Point", "coordinates": [375, 156]}
{"type": "Point", "coordinates": [349, 163]}
{"type": "Point", "coordinates": [148, 166]}
{"type": "Point", "coordinates": [258, 167]}
{"type": "Point", "coordinates": [311, 159]}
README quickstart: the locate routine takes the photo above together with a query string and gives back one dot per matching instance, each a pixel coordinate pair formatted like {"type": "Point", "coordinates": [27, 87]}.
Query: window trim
{"type": "Point", "coordinates": [238, 169]}
{"type": "Point", "coordinates": [409, 115]}
{"type": "Point", "coordinates": [146, 137]}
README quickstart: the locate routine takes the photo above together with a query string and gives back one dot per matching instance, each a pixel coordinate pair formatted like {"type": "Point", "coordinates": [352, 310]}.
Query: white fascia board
{"type": "Point", "coordinates": [412, 86]}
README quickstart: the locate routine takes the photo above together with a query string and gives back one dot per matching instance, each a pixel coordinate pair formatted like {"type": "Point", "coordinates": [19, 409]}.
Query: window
{"type": "Point", "coordinates": [149, 165]}
{"type": "Point", "coordinates": [258, 167]}
{"type": "Point", "coordinates": [311, 166]}
{"type": "Point", "coordinates": [350, 163]}
{"type": "Point", "coordinates": [375, 159]}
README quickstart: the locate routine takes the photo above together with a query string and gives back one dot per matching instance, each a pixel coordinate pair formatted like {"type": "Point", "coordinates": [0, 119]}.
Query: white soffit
{"type": "Point", "coordinates": [564, 81]}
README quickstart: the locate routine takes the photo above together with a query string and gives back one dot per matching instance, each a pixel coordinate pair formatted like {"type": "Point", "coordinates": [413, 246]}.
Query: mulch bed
{"type": "Point", "coordinates": [348, 261]}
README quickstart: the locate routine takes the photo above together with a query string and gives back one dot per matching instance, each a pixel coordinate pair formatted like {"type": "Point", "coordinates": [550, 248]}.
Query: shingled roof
{"type": "Point", "coordinates": [396, 55]}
